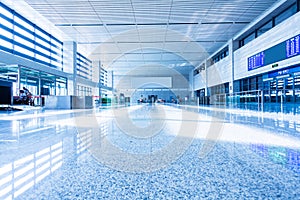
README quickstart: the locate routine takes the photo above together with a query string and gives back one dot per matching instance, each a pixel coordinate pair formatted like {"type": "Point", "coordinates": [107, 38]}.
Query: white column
{"type": "Point", "coordinates": [206, 78]}
{"type": "Point", "coordinates": [231, 58]}
{"type": "Point", "coordinates": [191, 83]}
{"type": "Point", "coordinates": [70, 65]}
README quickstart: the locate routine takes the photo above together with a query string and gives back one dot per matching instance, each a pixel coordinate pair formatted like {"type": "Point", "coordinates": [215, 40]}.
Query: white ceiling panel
{"type": "Point", "coordinates": [174, 46]}
{"type": "Point", "coordinates": [129, 47]}
{"type": "Point", "coordinates": [169, 56]}
{"type": "Point", "coordinates": [92, 30]}
{"type": "Point", "coordinates": [152, 45]}
{"type": "Point", "coordinates": [119, 29]}
{"type": "Point", "coordinates": [117, 19]}
{"type": "Point", "coordinates": [107, 48]}
{"type": "Point", "coordinates": [110, 29]}
{"type": "Point", "coordinates": [152, 57]}
{"type": "Point", "coordinates": [133, 55]}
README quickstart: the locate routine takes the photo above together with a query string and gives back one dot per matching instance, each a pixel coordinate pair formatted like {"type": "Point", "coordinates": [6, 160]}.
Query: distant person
{"type": "Point", "coordinates": [27, 97]}
{"type": "Point", "coordinates": [26, 91]}
{"type": "Point", "coordinates": [22, 97]}
{"type": "Point", "coordinates": [22, 94]}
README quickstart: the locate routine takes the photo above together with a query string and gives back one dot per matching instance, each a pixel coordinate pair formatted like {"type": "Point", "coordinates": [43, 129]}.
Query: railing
{"type": "Point", "coordinates": [262, 100]}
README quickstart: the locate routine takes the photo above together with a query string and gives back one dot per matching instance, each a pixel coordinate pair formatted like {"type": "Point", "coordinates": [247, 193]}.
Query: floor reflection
{"type": "Point", "coordinates": [51, 154]}
{"type": "Point", "coordinates": [28, 170]}
{"type": "Point", "coordinates": [289, 158]}
{"type": "Point", "coordinates": [287, 121]}
{"type": "Point", "coordinates": [16, 125]}
{"type": "Point", "coordinates": [32, 147]}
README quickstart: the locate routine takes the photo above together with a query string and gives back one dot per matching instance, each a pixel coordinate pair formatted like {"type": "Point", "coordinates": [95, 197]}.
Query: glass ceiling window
{"type": "Point", "coordinates": [23, 38]}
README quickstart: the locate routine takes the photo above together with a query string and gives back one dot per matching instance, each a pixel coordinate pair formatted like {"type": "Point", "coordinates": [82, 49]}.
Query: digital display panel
{"type": "Point", "coordinates": [278, 73]}
{"type": "Point", "coordinates": [276, 53]}
{"type": "Point", "coordinates": [292, 46]}
{"type": "Point", "coordinates": [256, 61]}
{"type": "Point", "coordinates": [285, 71]}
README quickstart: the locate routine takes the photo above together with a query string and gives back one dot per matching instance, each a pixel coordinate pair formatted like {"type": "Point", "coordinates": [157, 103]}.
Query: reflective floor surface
{"type": "Point", "coordinates": [150, 152]}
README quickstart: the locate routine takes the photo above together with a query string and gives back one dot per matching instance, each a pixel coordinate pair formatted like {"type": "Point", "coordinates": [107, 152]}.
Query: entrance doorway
{"type": "Point", "coordinates": [152, 98]}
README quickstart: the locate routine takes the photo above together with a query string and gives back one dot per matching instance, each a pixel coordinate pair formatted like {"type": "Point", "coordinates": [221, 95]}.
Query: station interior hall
{"type": "Point", "coordinates": [162, 99]}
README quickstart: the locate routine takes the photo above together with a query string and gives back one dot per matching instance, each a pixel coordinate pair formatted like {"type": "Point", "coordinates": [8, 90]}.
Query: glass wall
{"type": "Point", "coordinates": [84, 70]}
{"type": "Point", "coordinates": [37, 82]}
{"type": "Point", "coordinates": [283, 89]}
{"type": "Point", "coordinates": [218, 93]}
{"type": "Point", "coordinates": [29, 79]}
{"type": "Point", "coordinates": [297, 87]}
{"type": "Point", "coordinates": [84, 90]}
{"type": "Point", "coordinates": [61, 86]}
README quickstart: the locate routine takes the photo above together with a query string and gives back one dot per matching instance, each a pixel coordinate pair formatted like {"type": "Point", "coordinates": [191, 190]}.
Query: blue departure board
{"type": "Point", "coordinates": [256, 61]}
{"type": "Point", "coordinates": [292, 46]}
{"type": "Point", "coordinates": [276, 53]}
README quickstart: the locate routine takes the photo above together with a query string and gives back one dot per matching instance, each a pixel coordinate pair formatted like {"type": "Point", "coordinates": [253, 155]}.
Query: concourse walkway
{"type": "Point", "coordinates": [150, 151]}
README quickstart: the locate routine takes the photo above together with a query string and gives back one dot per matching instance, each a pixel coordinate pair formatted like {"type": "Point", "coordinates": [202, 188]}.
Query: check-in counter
{"type": "Point", "coordinates": [68, 102]}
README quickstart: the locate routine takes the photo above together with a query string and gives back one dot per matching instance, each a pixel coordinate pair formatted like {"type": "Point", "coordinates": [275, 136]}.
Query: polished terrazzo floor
{"type": "Point", "coordinates": [150, 152]}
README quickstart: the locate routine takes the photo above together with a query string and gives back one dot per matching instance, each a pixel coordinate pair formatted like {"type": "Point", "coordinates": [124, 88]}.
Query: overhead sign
{"type": "Point", "coordinates": [292, 46]}
{"type": "Point", "coordinates": [256, 61]}
{"type": "Point", "coordinates": [276, 53]}
{"type": "Point", "coordinates": [282, 72]}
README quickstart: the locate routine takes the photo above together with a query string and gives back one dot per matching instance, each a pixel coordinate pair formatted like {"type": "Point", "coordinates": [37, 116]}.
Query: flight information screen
{"type": "Point", "coordinates": [292, 46]}
{"type": "Point", "coordinates": [276, 53]}
{"type": "Point", "coordinates": [256, 61]}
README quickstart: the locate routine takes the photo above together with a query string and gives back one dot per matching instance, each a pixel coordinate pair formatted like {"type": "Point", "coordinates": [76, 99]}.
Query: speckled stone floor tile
{"type": "Point", "coordinates": [149, 152]}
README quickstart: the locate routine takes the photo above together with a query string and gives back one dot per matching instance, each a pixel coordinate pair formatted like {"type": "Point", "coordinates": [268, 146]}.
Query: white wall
{"type": "Point", "coordinates": [200, 80]}
{"type": "Point", "coordinates": [278, 34]}
{"type": "Point", "coordinates": [219, 72]}
{"type": "Point", "coordinates": [222, 72]}
{"type": "Point", "coordinates": [151, 82]}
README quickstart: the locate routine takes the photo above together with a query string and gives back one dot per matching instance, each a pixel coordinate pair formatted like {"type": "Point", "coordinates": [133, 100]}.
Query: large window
{"type": "Point", "coordinates": [5, 12]}
{"type": "Point", "coordinates": [285, 14]}
{"type": "Point", "coordinates": [250, 84]}
{"type": "Point", "coordinates": [23, 38]}
{"type": "Point", "coordinates": [84, 67]}
{"type": "Point", "coordinates": [249, 38]}
{"type": "Point", "coordinates": [24, 23]}
{"type": "Point", "coordinates": [5, 21]}
{"type": "Point", "coordinates": [264, 28]}
{"type": "Point", "coordinates": [84, 90]}
{"type": "Point", "coordinates": [219, 56]}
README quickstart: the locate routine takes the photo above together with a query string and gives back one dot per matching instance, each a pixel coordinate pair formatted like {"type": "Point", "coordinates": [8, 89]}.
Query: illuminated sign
{"type": "Point", "coordinates": [283, 72]}
{"type": "Point", "coordinates": [276, 53]}
{"type": "Point", "coordinates": [292, 46]}
{"type": "Point", "coordinates": [256, 61]}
